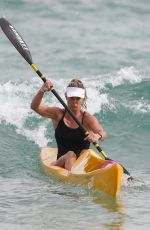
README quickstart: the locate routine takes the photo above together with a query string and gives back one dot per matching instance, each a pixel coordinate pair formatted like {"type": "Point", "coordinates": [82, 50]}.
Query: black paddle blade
{"type": "Point", "coordinates": [16, 39]}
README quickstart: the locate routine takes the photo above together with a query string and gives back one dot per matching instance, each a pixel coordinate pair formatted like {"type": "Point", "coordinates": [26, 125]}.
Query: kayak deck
{"type": "Point", "coordinates": [89, 169]}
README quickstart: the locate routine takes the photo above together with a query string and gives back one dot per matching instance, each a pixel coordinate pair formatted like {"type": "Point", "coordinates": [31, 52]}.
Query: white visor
{"type": "Point", "coordinates": [75, 92]}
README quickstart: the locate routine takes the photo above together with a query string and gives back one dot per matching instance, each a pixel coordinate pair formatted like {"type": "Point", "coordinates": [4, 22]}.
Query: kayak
{"type": "Point", "coordinates": [89, 169]}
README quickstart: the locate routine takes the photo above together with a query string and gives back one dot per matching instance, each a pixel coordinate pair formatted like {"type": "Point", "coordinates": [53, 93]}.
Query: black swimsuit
{"type": "Point", "coordinates": [69, 139]}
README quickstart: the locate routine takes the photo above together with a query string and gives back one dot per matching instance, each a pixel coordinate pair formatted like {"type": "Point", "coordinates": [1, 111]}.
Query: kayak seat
{"type": "Point", "coordinates": [87, 162]}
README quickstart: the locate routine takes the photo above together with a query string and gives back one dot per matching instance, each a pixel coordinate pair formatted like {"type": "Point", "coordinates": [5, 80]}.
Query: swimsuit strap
{"type": "Point", "coordinates": [63, 114]}
{"type": "Point", "coordinates": [83, 116]}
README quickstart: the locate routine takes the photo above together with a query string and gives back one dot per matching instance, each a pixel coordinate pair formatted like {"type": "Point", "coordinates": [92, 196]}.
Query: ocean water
{"type": "Point", "coordinates": [106, 44]}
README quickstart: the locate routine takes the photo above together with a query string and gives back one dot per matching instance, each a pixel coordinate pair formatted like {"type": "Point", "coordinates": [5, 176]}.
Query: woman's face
{"type": "Point", "coordinates": [75, 103]}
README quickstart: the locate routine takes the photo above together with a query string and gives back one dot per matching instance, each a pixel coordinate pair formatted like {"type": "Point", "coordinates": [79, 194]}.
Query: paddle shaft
{"type": "Point", "coordinates": [23, 49]}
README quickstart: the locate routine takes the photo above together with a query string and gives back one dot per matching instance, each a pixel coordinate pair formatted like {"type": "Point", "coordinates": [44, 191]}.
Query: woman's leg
{"type": "Point", "coordinates": [66, 161]}
{"type": "Point", "coordinates": [70, 159]}
{"type": "Point", "coordinates": [60, 162]}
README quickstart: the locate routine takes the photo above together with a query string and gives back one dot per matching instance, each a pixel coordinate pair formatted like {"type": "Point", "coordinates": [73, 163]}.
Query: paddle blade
{"type": "Point", "coordinates": [16, 39]}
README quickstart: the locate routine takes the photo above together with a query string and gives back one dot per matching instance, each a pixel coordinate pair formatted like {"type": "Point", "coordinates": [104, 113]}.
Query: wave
{"type": "Point", "coordinates": [126, 75]}
{"type": "Point", "coordinates": [104, 96]}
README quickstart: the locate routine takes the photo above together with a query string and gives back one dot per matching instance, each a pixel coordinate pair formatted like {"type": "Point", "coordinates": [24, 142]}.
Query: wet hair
{"type": "Point", "coordinates": [79, 84]}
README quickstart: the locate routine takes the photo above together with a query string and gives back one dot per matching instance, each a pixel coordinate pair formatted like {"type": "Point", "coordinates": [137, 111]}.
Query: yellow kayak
{"type": "Point", "coordinates": [89, 169]}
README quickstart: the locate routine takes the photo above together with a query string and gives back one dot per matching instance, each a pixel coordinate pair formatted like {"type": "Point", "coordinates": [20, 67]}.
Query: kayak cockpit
{"type": "Point", "coordinates": [88, 162]}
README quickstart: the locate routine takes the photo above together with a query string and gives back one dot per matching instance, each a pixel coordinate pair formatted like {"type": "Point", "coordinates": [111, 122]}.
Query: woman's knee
{"type": "Point", "coordinates": [71, 154]}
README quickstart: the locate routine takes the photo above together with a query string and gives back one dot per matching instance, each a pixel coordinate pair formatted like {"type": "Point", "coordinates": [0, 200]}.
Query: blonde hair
{"type": "Point", "coordinates": [79, 84]}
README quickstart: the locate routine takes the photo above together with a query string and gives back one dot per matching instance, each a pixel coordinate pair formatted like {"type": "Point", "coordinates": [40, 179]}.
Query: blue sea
{"type": "Point", "coordinates": [106, 44]}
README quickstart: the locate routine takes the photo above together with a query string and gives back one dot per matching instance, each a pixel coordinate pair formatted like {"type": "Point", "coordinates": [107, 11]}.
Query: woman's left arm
{"type": "Point", "coordinates": [95, 129]}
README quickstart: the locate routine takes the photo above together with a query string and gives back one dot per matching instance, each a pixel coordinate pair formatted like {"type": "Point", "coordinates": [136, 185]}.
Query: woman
{"type": "Point", "coordinates": [71, 140]}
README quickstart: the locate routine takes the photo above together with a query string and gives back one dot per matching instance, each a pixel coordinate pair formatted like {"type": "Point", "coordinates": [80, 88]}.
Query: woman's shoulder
{"type": "Point", "coordinates": [60, 112]}
{"type": "Point", "coordinates": [91, 122]}
{"type": "Point", "coordinates": [88, 115]}
{"type": "Point", "coordinates": [55, 113]}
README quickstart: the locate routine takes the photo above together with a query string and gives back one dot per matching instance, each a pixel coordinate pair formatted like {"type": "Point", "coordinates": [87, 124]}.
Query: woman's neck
{"type": "Point", "coordinates": [76, 113]}
{"type": "Point", "coordinates": [70, 122]}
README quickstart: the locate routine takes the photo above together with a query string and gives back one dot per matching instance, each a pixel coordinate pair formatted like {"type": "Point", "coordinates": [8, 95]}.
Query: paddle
{"type": "Point", "coordinates": [22, 48]}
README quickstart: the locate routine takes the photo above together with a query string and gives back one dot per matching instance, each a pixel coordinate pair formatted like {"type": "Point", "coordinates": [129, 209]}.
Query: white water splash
{"type": "Point", "coordinates": [97, 101]}
{"type": "Point", "coordinates": [126, 74]}
{"type": "Point", "coordinates": [129, 74]}
{"type": "Point", "coordinates": [37, 135]}
{"type": "Point", "coordinates": [141, 106]}
{"type": "Point", "coordinates": [15, 110]}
